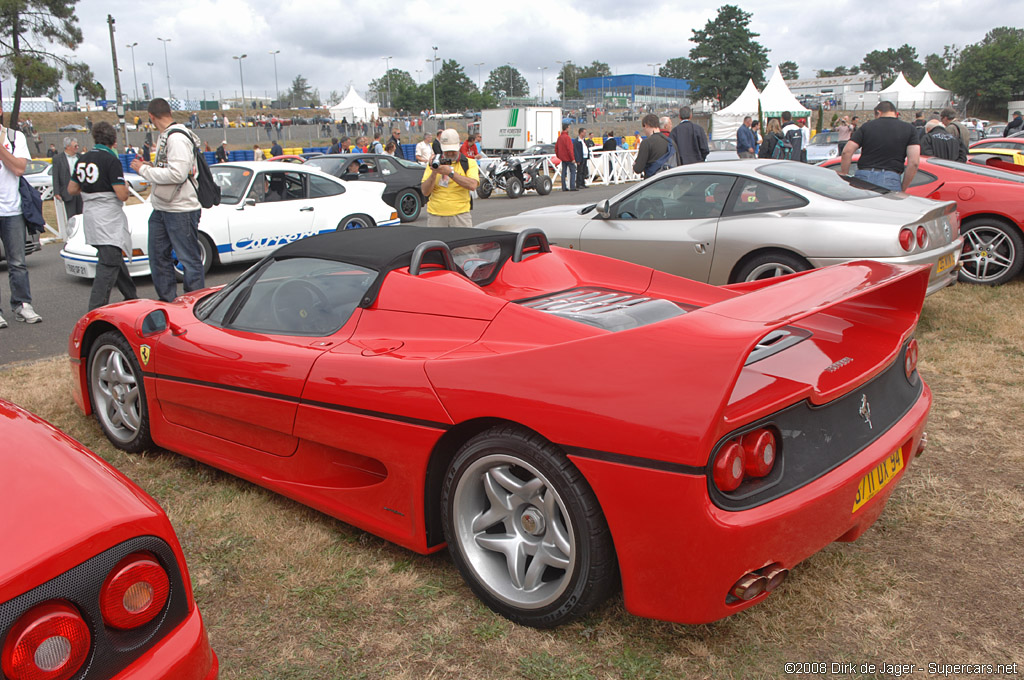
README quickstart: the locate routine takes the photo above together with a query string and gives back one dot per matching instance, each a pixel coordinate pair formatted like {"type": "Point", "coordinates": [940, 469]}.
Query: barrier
{"type": "Point", "coordinates": [605, 167]}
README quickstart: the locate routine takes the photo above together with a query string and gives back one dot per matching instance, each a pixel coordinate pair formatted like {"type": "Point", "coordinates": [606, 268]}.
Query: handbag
{"type": "Point", "coordinates": [31, 201]}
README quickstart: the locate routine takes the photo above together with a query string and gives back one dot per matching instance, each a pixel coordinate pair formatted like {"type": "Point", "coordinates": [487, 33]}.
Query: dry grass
{"type": "Point", "coordinates": [289, 593]}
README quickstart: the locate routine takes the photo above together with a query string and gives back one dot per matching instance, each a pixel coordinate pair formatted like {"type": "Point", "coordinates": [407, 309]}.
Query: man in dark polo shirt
{"type": "Point", "coordinates": [99, 178]}
{"type": "Point", "coordinates": [888, 148]}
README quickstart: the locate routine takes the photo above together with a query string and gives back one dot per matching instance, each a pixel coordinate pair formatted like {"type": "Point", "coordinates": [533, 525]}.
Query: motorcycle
{"type": "Point", "coordinates": [511, 175]}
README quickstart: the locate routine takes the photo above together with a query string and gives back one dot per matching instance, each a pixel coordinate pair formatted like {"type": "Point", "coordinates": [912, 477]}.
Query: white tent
{"type": "Point", "coordinates": [929, 95]}
{"type": "Point", "coordinates": [899, 92]}
{"type": "Point", "coordinates": [354, 109]}
{"type": "Point", "coordinates": [726, 122]}
{"type": "Point", "coordinates": [776, 98]}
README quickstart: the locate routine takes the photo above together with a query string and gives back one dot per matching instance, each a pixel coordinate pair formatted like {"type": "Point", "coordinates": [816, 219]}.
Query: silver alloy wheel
{"type": "Point", "coordinates": [769, 270]}
{"type": "Point", "coordinates": [988, 253]}
{"type": "Point", "coordinates": [115, 393]}
{"type": "Point", "coordinates": [514, 531]}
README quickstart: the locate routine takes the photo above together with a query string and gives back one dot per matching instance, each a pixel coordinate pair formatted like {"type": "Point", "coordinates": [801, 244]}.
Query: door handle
{"type": "Point", "coordinates": [700, 248]}
{"type": "Point", "coordinates": [308, 208]}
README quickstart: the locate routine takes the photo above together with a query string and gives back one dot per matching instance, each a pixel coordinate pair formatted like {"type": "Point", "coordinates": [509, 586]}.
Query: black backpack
{"type": "Point", "coordinates": [207, 190]}
{"type": "Point", "coordinates": [795, 137]}
{"type": "Point", "coordinates": [783, 149]}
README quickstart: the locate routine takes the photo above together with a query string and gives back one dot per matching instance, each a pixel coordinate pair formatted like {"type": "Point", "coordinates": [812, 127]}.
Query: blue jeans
{"type": "Point", "coordinates": [13, 235]}
{"type": "Point", "coordinates": [177, 231]}
{"type": "Point", "coordinates": [888, 179]}
{"type": "Point", "coordinates": [570, 167]}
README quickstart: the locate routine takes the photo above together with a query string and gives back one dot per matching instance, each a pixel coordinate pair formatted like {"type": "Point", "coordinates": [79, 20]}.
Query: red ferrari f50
{"type": "Point", "coordinates": [563, 421]}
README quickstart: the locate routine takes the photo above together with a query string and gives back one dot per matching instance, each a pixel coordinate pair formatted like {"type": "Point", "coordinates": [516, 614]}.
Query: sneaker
{"type": "Point", "coordinates": [27, 314]}
{"type": "Point", "coordinates": [3, 322]}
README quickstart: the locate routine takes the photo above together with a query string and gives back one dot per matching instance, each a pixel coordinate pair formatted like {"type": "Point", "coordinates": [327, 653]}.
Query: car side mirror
{"type": "Point", "coordinates": [604, 209]}
{"type": "Point", "coordinates": [250, 202]}
{"type": "Point", "coordinates": [153, 323]}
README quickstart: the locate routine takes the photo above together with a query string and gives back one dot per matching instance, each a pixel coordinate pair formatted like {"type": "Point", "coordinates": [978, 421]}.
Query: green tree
{"type": "Point", "coordinates": [726, 55]}
{"type": "Point", "coordinates": [27, 29]}
{"type": "Point", "coordinates": [300, 93]}
{"type": "Point", "coordinates": [677, 67]}
{"type": "Point", "coordinates": [568, 81]}
{"type": "Point", "coordinates": [838, 71]}
{"type": "Point", "coordinates": [402, 85]}
{"type": "Point", "coordinates": [597, 69]}
{"type": "Point", "coordinates": [988, 73]}
{"type": "Point", "coordinates": [790, 71]}
{"type": "Point", "coordinates": [887, 64]}
{"type": "Point", "coordinates": [454, 88]}
{"type": "Point", "coordinates": [506, 79]}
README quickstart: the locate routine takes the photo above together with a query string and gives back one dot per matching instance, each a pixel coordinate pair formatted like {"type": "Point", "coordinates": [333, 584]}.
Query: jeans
{"type": "Point", "coordinates": [13, 235]}
{"type": "Point", "coordinates": [570, 167]}
{"type": "Point", "coordinates": [177, 231]}
{"type": "Point", "coordinates": [887, 179]}
{"type": "Point", "coordinates": [110, 270]}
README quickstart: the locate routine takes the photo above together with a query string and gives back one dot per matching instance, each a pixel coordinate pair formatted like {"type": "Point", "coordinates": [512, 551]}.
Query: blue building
{"type": "Point", "coordinates": [635, 89]}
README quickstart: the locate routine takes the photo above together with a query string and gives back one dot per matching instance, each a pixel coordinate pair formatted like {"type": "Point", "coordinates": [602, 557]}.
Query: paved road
{"type": "Point", "coordinates": [61, 299]}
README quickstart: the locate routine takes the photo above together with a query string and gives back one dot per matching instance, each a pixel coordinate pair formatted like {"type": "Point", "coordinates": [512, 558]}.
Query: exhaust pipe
{"type": "Point", "coordinates": [749, 587]}
{"type": "Point", "coordinates": [774, 576]}
{"type": "Point", "coordinates": [922, 445]}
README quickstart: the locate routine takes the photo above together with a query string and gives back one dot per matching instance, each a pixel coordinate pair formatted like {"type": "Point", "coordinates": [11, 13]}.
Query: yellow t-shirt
{"type": "Point", "coordinates": [449, 198]}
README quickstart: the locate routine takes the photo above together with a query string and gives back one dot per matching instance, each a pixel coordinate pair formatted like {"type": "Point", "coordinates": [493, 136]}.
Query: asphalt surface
{"type": "Point", "coordinates": [62, 299]}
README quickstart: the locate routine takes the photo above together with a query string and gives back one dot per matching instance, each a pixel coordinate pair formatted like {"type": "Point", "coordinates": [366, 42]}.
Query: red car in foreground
{"type": "Point", "coordinates": [990, 204]}
{"type": "Point", "coordinates": [564, 421]}
{"type": "Point", "coordinates": [93, 583]}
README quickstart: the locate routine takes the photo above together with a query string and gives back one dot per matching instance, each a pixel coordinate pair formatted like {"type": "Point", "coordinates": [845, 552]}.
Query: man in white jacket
{"type": "Point", "coordinates": [174, 222]}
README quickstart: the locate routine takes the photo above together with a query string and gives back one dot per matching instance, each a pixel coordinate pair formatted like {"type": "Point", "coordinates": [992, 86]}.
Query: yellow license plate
{"type": "Point", "coordinates": [945, 262]}
{"type": "Point", "coordinates": [875, 481]}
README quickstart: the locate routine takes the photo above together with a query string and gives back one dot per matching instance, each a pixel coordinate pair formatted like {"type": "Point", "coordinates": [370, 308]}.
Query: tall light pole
{"type": "Point", "coordinates": [542, 74]}
{"type": "Point", "coordinates": [565, 73]}
{"type": "Point", "coordinates": [151, 92]}
{"type": "Point", "coordinates": [134, 72]}
{"type": "Point", "coordinates": [511, 92]}
{"type": "Point", "coordinates": [242, 80]}
{"type": "Point", "coordinates": [654, 89]}
{"type": "Point", "coordinates": [418, 72]}
{"type": "Point", "coordinates": [387, 72]}
{"type": "Point", "coordinates": [277, 90]}
{"type": "Point", "coordinates": [479, 77]}
{"type": "Point", "coordinates": [433, 77]}
{"type": "Point", "coordinates": [167, 67]}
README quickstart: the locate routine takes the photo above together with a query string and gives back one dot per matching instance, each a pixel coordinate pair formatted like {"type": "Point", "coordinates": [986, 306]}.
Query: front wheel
{"type": "Point", "coordinates": [514, 187]}
{"type": "Point", "coordinates": [118, 394]}
{"type": "Point", "coordinates": [485, 188]}
{"type": "Point", "coordinates": [993, 252]}
{"type": "Point", "coordinates": [543, 183]}
{"type": "Point", "coordinates": [770, 265]}
{"type": "Point", "coordinates": [408, 205]}
{"type": "Point", "coordinates": [356, 222]}
{"type": "Point", "coordinates": [525, 529]}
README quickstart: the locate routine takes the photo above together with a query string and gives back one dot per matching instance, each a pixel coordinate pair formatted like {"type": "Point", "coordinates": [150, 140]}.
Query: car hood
{"type": "Point", "coordinates": [66, 506]}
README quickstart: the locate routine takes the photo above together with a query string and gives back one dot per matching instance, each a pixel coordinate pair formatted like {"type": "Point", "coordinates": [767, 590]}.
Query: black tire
{"type": "Point", "coordinates": [570, 566]}
{"type": "Point", "coordinates": [206, 251]}
{"type": "Point", "coordinates": [118, 394]}
{"type": "Point", "coordinates": [770, 265]}
{"type": "Point", "coordinates": [408, 205]}
{"type": "Point", "coordinates": [544, 185]}
{"type": "Point", "coordinates": [356, 222]}
{"type": "Point", "coordinates": [993, 252]}
{"type": "Point", "coordinates": [514, 187]}
{"type": "Point", "coordinates": [484, 189]}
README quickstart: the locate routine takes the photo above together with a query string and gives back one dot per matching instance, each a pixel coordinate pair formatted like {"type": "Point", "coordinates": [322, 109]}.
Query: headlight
{"type": "Point", "coordinates": [74, 224]}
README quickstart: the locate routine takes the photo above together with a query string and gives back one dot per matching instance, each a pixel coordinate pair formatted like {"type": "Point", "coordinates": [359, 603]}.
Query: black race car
{"type": "Point", "coordinates": [402, 177]}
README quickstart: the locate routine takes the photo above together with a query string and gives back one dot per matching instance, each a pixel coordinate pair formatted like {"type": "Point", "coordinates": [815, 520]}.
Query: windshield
{"type": "Point", "coordinates": [332, 165]}
{"type": "Point", "coordinates": [822, 181]}
{"type": "Point", "coordinates": [33, 167]}
{"type": "Point", "coordinates": [232, 181]}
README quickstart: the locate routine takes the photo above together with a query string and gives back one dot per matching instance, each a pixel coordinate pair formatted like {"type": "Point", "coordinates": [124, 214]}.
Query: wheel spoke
{"type": "Point", "coordinates": [514, 550]}
{"type": "Point", "coordinates": [999, 258]}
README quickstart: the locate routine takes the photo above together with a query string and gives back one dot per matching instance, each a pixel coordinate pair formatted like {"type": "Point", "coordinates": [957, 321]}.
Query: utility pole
{"type": "Point", "coordinates": [152, 83]}
{"type": "Point", "coordinates": [244, 110]}
{"type": "Point", "coordinates": [117, 83]}
{"type": "Point", "coordinates": [134, 72]}
{"type": "Point", "coordinates": [433, 78]}
{"type": "Point", "coordinates": [387, 72]}
{"type": "Point", "coordinates": [277, 90]}
{"type": "Point", "coordinates": [167, 68]}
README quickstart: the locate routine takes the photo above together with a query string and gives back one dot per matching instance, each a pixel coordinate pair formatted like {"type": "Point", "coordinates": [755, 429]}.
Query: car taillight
{"type": "Point", "coordinates": [750, 456]}
{"type": "Point", "coordinates": [49, 642]}
{"type": "Point", "coordinates": [758, 452]}
{"type": "Point", "coordinates": [906, 239]}
{"type": "Point", "coordinates": [134, 593]}
{"type": "Point", "coordinates": [910, 359]}
{"type": "Point", "coordinates": [922, 237]}
{"type": "Point", "coordinates": [729, 467]}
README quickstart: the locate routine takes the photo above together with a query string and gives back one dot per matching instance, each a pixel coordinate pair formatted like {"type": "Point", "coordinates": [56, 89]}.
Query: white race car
{"type": "Point", "coordinates": [263, 205]}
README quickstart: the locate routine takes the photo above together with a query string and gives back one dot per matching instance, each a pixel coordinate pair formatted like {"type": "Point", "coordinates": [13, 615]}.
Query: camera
{"type": "Point", "coordinates": [435, 164]}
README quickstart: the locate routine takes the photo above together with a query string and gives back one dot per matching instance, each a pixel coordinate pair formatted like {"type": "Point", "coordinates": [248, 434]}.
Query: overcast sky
{"type": "Point", "coordinates": [334, 44]}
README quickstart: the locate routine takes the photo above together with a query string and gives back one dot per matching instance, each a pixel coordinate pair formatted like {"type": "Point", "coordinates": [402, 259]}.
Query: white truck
{"type": "Point", "coordinates": [505, 130]}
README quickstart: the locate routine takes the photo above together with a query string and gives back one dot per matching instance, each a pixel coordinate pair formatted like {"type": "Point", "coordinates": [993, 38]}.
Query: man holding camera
{"type": "Point", "coordinates": [447, 183]}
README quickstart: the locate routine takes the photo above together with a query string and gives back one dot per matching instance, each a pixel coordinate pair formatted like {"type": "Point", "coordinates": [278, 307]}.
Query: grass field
{"type": "Point", "coordinates": [287, 592]}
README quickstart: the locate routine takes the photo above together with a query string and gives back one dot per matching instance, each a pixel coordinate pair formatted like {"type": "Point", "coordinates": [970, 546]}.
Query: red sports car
{"type": "Point", "coordinates": [990, 204]}
{"type": "Point", "coordinates": [93, 583]}
{"type": "Point", "coordinates": [564, 421]}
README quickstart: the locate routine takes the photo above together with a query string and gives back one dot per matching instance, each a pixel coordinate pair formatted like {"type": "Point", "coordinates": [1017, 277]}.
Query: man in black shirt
{"type": "Point", "coordinates": [937, 142]}
{"type": "Point", "coordinates": [690, 139]}
{"type": "Point", "coordinates": [889, 148]}
{"type": "Point", "coordinates": [99, 178]}
{"type": "Point", "coordinates": [222, 153]}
